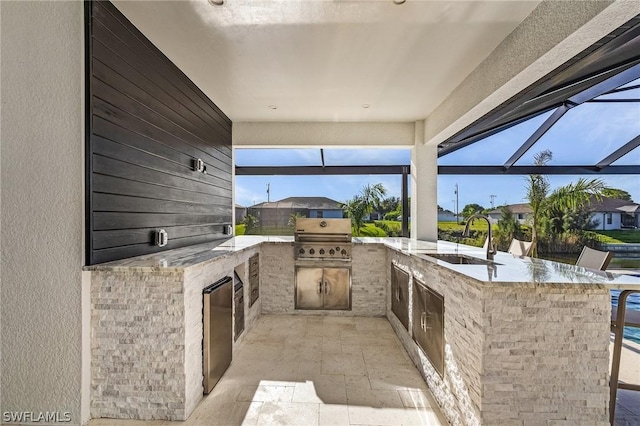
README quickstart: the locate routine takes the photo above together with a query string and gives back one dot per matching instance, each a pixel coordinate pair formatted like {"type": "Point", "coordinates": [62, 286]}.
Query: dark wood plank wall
{"type": "Point", "coordinates": [146, 124]}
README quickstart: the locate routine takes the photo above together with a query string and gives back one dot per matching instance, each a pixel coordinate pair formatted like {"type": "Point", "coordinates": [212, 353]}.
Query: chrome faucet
{"type": "Point", "coordinates": [491, 250]}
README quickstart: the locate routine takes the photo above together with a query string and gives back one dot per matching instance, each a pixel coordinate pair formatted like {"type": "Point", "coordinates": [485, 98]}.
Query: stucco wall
{"type": "Point", "coordinates": [42, 206]}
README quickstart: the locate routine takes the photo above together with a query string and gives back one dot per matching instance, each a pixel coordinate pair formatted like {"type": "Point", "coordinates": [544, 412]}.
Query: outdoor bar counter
{"type": "Point", "coordinates": [526, 341]}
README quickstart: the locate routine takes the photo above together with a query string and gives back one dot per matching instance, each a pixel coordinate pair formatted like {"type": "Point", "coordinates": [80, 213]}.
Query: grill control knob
{"type": "Point", "coordinates": [312, 251]}
{"type": "Point", "coordinates": [321, 251]}
{"type": "Point", "coordinates": [301, 251]}
{"type": "Point", "coordinates": [332, 252]}
{"type": "Point", "coordinates": [343, 252]}
{"type": "Point", "coordinates": [337, 248]}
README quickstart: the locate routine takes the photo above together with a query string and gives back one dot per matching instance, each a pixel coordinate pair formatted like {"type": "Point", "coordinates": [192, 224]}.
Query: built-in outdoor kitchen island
{"type": "Point", "coordinates": [525, 340]}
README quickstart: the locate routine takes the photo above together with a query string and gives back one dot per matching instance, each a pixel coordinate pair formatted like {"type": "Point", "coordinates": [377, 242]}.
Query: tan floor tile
{"type": "Point", "coordinates": [333, 415]}
{"type": "Point", "coordinates": [374, 398]}
{"type": "Point", "coordinates": [266, 393]}
{"type": "Point", "coordinates": [113, 422]}
{"type": "Point", "coordinates": [349, 347]}
{"type": "Point", "coordinates": [398, 379]}
{"type": "Point", "coordinates": [303, 352]}
{"type": "Point", "coordinates": [423, 416]}
{"type": "Point", "coordinates": [331, 345]}
{"type": "Point", "coordinates": [255, 372]}
{"type": "Point", "coordinates": [357, 383]}
{"type": "Point", "coordinates": [385, 359]}
{"type": "Point", "coordinates": [417, 399]}
{"type": "Point", "coordinates": [307, 369]}
{"type": "Point", "coordinates": [223, 392]}
{"type": "Point", "coordinates": [227, 413]}
{"type": "Point", "coordinates": [322, 390]}
{"type": "Point", "coordinates": [363, 415]}
{"type": "Point", "coordinates": [288, 413]}
{"type": "Point", "coordinates": [341, 363]}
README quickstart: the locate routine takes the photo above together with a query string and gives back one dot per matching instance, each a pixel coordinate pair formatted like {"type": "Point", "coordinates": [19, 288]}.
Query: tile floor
{"type": "Point", "coordinates": [312, 370]}
{"type": "Point", "coordinates": [628, 402]}
{"type": "Point", "coordinates": [309, 370]}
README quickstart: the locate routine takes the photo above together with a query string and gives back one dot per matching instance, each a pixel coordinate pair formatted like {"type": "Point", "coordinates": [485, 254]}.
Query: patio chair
{"type": "Point", "coordinates": [594, 259]}
{"type": "Point", "coordinates": [520, 248]}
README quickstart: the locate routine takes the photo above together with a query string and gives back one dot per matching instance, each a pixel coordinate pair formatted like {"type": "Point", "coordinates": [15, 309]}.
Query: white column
{"type": "Point", "coordinates": [424, 188]}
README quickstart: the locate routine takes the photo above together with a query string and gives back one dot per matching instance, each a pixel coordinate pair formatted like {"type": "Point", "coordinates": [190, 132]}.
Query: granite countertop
{"type": "Point", "coordinates": [505, 269]}
{"type": "Point", "coordinates": [182, 258]}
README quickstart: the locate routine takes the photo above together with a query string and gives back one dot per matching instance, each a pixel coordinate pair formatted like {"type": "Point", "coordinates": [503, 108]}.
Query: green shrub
{"type": "Point", "coordinates": [371, 230]}
{"type": "Point", "coordinates": [391, 228]}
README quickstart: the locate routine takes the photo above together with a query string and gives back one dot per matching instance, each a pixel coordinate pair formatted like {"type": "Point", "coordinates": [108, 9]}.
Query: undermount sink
{"type": "Point", "coordinates": [459, 259]}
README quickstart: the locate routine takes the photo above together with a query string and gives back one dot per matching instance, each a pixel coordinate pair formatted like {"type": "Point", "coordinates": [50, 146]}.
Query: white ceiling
{"type": "Point", "coordinates": [322, 60]}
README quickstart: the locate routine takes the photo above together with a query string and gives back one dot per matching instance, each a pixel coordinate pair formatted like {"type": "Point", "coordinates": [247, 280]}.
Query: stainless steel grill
{"type": "Point", "coordinates": [323, 264]}
{"type": "Point", "coordinates": [323, 239]}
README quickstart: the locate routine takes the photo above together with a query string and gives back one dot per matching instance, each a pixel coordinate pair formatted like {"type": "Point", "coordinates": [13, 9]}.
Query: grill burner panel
{"type": "Point", "coordinates": [323, 239]}
{"type": "Point", "coordinates": [339, 251]}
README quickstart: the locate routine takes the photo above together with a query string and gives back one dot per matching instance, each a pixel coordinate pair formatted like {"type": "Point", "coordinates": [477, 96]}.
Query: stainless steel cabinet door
{"type": "Point", "coordinates": [435, 329]}
{"type": "Point", "coordinates": [254, 279]}
{"type": "Point", "coordinates": [400, 295]}
{"type": "Point", "coordinates": [428, 324]}
{"type": "Point", "coordinates": [336, 284]}
{"type": "Point", "coordinates": [309, 288]}
{"type": "Point", "coordinates": [419, 313]}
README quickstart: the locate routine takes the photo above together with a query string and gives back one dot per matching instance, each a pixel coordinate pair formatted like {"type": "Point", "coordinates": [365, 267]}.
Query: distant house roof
{"type": "Point", "coordinates": [612, 205]}
{"type": "Point", "coordinates": [313, 203]}
{"type": "Point", "coordinates": [605, 204]}
{"type": "Point", "coordinates": [515, 208]}
{"type": "Point", "coordinates": [238, 206]}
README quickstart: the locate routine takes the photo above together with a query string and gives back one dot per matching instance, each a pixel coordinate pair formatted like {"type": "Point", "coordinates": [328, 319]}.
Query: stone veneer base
{"type": "Point", "coordinates": [512, 353]}
{"type": "Point", "coordinates": [146, 339]}
{"type": "Point", "coordinates": [368, 281]}
{"type": "Point", "coordinates": [516, 353]}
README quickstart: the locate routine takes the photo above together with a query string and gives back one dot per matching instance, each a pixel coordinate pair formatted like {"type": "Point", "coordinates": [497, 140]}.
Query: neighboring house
{"type": "Point", "coordinates": [615, 214]}
{"type": "Point", "coordinates": [609, 213]}
{"type": "Point", "coordinates": [521, 212]}
{"type": "Point", "coordinates": [240, 213]}
{"type": "Point", "coordinates": [447, 216]}
{"type": "Point", "coordinates": [277, 213]}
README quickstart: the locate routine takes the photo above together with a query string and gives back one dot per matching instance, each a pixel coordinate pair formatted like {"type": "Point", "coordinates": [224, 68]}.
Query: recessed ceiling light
{"type": "Point", "coordinates": [218, 2]}
{"type": "Point", "coordinates": [395, 1]}
{"type": "Point", "coordinates": [273, 106]}
{"type": "Point", "coordinates": [365, 106]}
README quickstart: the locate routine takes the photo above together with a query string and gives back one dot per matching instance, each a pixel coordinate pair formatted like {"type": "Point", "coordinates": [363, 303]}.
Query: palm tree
{"type": "Point", "coordinates": [361, 205]}
{"type": "Point", "coordinates": [292, 219]}
{"type": "Point", "coordinates": [250, 223]}
{"type": "Point", "coordinates": [508, 227]}
{"type": "Point", "coordinates": [569, 197]}
{"type": "Point", "coordinates": [537, 190]}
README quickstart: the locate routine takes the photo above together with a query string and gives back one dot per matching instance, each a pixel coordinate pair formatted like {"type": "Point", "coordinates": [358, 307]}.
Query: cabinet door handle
{"type": "Point", "coordinates": [320, 287]}
{"type": "Point", "coordinates": [426, 315]}
{"type": "Point", "coordinates": [326, 287]}
{"type": "Point", "coordinates": [423, 321]}
{"type": "Point", "coordinates": [254, 291]}
{"type": "Point", "coordinates": [398, 294]}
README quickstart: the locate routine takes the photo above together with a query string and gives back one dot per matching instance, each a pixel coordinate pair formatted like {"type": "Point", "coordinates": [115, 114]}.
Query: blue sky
{"type": "Point", "coordinates": [473, 189]}
{"type": "Point", "coordinates": [584, 136]}
{"type": "Point", "coordinates": [339, 188]}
